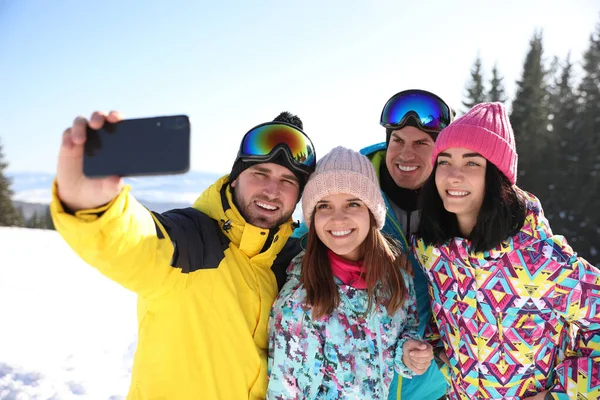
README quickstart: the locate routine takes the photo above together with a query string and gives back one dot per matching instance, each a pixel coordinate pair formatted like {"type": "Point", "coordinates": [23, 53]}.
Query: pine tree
{"type": "Point", "coordinates": [589, 126]}
{"type": "Point", "coordinates": [34, 222]}
{"type": "Point", "coordinates": [497, 92]}
{"type": "Point", "coordinates": [563, 109]}
{"type": "Point", "coordinates": [9, 215]}
{"type": "Point", "coordinates": [47, 220]}
{"type": "Point", "coordinates": [561, 206]}
{"type": "Point", "coordinates": [587, 133]}
{"type": "Point", "coordinates": [530, 121]}
{"type": "Point", "coordinates": [40, 220]}
{"type": "Point", "coordinates": [475, 89]}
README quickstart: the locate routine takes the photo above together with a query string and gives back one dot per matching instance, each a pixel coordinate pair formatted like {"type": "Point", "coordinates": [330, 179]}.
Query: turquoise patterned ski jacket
{"type": "Point", "coordinates": [350, 354]}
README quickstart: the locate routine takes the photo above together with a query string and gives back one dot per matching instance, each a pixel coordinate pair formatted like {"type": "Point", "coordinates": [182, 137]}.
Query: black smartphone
{"type": "Point", "coordinates": [137, 147]}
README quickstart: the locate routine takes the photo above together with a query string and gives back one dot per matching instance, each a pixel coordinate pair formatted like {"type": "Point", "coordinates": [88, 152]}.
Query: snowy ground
{"type": "Point", "coordinates": [66, 332]}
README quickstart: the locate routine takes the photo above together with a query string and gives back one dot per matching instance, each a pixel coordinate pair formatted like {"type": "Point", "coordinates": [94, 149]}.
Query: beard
{"type": "Point", "coordinates": [246, 208]}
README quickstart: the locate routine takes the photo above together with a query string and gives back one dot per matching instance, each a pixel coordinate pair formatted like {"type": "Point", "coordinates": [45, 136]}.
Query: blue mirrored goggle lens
{"type": "Point", "coordinates": [429, 110]}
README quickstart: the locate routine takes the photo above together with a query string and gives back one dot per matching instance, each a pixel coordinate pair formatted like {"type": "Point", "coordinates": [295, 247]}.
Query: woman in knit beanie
{"type": "Point", "coordinates": [517, 311]}
{"type": "Point", "coordinates": [346, 318]}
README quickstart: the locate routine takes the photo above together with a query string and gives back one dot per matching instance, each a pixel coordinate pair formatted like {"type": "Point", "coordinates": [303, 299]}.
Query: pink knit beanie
{"type": "Point", "coordinates": [486, 130]}
{"type": "Point", "coordinates": [344, 171]}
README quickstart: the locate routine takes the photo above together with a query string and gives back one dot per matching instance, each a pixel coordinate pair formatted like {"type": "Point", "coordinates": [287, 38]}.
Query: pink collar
{"type": "Point", "coordinates": [351, 273]}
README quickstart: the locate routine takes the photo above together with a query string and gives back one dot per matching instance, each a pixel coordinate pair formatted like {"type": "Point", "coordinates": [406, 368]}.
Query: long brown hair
{"type": "Point", "coordinates": [382, 261]}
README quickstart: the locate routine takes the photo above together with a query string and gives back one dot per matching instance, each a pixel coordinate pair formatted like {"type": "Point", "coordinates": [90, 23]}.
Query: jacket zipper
{"type": "Point", "coordinates": [379, 350]}
{"type": "Point", "coordinates": [399, 229]}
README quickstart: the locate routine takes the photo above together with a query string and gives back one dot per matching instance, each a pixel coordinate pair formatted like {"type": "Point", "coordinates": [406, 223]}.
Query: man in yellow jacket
{"type": "Point", "coordinates": [205, 276]}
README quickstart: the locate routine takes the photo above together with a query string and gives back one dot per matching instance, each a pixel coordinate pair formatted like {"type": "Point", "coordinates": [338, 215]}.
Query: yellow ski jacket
{"type": "Point", "coordinates": [205, 281]}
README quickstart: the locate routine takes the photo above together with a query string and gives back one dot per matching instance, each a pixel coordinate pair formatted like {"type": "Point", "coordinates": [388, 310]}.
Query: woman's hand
{"type": "Point", "coordinates": [539, 396]}
{"type": "Point", "coordinates": [441, 355]}
{"type": "Point", "coordinates": [417, 355]}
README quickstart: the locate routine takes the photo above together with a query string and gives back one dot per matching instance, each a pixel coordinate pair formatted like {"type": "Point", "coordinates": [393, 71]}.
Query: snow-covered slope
{"type": "Point", "coordinates": [66, 331]}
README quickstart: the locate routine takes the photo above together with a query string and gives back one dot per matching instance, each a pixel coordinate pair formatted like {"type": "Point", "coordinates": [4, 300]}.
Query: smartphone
{"type": "Point", "coordinates": [138, 147]}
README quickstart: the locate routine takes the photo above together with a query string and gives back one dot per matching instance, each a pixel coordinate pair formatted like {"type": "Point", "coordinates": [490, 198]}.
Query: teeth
{"type": "Point", "coordinates": [266, 206]}
{"type": "Point", "coordinates": [341, 233]}
{"type": "Point", "coordinates": [406, 168]}
{"type": "Point", "coordinates": [457, 193]}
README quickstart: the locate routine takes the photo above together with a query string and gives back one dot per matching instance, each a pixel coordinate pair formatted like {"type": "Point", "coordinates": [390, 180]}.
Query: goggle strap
{"type": "Point", "coordinates": [277, 150]}
{"type": "Point", "coordinates": [415, 117]}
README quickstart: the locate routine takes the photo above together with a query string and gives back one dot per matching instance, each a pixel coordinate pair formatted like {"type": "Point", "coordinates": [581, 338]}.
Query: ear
{"type": "Point", "coordinates": [234, 183]}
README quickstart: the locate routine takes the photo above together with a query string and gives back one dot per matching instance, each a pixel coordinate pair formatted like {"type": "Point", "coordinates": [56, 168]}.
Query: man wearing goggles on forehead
{"type": "Point", "coordinates": [412, 120]}
{"type": "Point", "coordinates": [206, 276]}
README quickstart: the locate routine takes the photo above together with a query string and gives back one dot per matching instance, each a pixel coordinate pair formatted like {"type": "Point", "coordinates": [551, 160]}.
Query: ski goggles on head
{"type": "Point", "coordinates": [431, 113]}
{"type": "Point", "coordinates": [265, 141]}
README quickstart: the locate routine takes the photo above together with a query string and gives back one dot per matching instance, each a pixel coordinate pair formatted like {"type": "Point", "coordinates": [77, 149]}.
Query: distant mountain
{"type": "Point", "coordinates": [28, 209]}
{"type": "Point", "coordinates": [158, 193]}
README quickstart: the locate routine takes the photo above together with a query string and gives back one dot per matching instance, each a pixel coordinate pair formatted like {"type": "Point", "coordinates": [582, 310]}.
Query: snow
{"type": "Point", "coordinates": [66, 331]}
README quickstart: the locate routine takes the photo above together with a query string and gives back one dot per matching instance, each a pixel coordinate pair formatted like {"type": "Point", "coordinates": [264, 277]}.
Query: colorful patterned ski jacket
{"type": "Point", "coordinates": [347, 355]}
{"type": "Point", "coordinates": [518, 319]}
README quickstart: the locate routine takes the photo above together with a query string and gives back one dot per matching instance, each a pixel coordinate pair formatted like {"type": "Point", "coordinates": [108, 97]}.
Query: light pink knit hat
{"type": "Point", "coordinates": [486, 130]}
{"type": "Point", "coordinates": [344, 171]}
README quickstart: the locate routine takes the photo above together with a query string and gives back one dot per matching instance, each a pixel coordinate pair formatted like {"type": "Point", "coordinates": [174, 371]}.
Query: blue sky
{"type": "Point", "coordinates": [231, 65]}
